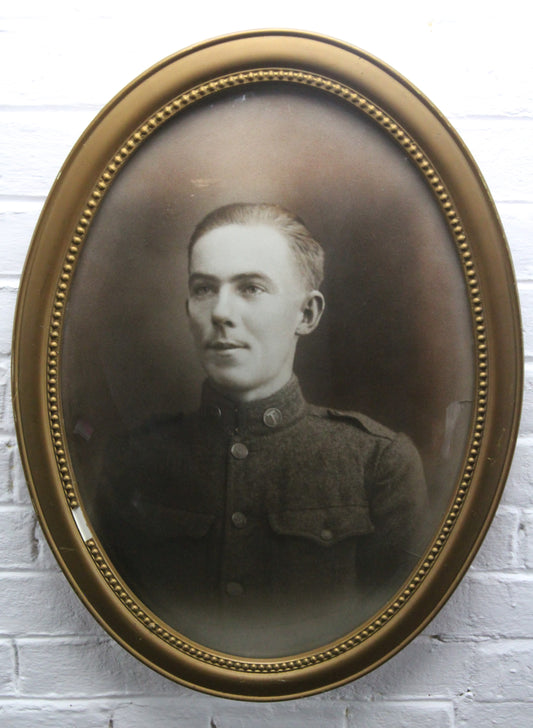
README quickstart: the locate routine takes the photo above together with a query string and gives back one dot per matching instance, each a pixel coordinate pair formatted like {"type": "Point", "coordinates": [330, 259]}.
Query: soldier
{"type": "Point", "coordinates": [260, 524]}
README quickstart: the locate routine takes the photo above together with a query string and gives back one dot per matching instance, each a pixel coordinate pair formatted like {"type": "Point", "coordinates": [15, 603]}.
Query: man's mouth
{"type": "Point", "coordinates": [224, 345]}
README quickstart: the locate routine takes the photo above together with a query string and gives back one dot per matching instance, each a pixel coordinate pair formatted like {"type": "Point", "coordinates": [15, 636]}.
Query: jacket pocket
{"type": "Point", "coordinates": [326, 526]}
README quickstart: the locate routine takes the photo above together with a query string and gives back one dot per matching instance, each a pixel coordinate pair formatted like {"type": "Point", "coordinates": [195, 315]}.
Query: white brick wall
{"type": "Point", "coordinates": [61, 61]}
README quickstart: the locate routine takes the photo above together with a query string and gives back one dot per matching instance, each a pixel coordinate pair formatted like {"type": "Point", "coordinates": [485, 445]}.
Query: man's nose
{"type": "Point", "coordinates": [223, 308]}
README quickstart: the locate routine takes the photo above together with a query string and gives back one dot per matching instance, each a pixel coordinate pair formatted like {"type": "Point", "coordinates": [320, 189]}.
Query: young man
{"type": "Point", "coordinates": [261, 524]}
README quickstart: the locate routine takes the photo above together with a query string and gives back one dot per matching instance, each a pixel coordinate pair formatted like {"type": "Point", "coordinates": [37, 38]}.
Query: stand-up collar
{"type": "Point", "coordinates": [261, 416]}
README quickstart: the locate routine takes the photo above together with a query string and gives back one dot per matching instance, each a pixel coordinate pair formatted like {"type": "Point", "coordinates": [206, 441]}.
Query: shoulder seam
{"type": "Point", "coordinates": [364, 422]}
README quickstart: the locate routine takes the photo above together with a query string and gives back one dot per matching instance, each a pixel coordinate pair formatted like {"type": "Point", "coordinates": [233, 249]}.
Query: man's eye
{"type": "Point", "coordinates": [200, 291]}
{"type": "Point", "coordinates": [252, 289]}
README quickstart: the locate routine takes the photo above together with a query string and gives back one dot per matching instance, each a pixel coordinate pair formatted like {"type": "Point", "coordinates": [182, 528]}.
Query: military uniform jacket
{"type": "Point", "coordinates": [270, 515]}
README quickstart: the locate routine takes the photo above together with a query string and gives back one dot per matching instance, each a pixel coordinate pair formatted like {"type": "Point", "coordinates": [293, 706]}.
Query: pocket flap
{"type": "Point", "coordinates": [326, 526]}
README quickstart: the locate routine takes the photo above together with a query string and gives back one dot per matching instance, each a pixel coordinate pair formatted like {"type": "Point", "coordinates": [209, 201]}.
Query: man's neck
{"type": "Point", "coordinates": [254, 395]}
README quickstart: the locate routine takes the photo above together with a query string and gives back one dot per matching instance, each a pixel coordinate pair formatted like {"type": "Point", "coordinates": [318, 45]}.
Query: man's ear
{"type": "Point", "coordinates": [311, 312]}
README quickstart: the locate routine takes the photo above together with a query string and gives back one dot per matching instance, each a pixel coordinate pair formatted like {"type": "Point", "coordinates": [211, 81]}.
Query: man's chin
{"type": "Point", "coordinates": [240, 389]}
{"type": "Point", "coordinates": [227, 384]}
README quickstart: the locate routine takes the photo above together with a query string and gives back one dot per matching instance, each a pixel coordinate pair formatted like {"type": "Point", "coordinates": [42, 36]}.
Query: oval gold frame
{"type": "Point", "coordinates": [129, 119]}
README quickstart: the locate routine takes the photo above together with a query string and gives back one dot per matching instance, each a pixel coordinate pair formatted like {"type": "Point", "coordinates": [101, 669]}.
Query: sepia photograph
{"type": "Point", "coordinates": [268, 375]}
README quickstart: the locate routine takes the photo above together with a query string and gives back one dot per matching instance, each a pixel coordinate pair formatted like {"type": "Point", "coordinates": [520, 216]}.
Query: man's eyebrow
{"type": "Point", "coordinates": [251, 274]}
{"type": "Point", "coordinates": [246, 276]}
{"type": "Point", "coordinates": [202, 276]}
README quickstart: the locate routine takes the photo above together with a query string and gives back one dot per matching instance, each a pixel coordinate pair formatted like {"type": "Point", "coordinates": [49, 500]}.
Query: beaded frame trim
{"type": "Point", "coordinates": [166, 112]}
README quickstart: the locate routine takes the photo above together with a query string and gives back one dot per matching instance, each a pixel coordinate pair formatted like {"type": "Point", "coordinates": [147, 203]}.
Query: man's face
{"type": "Point", "coordinates": [246, 302]}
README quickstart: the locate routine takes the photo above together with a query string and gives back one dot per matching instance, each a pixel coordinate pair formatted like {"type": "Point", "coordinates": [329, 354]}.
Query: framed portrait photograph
{"type": "Point", "coordinates": [267, 364]}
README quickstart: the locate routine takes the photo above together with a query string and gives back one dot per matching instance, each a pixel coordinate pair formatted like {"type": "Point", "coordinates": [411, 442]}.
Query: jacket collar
{"type": "Point", "coordinates": [261, 416]}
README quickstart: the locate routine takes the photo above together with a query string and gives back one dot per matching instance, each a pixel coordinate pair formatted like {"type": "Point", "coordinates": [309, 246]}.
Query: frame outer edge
{"type": "Point", "coordinates": [136, 102]}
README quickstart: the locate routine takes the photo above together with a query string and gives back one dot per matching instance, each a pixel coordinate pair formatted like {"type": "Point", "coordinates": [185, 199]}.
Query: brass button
{"type": "Point", "coordinates": [234, 589]}
{"type": "Point", "coordinates": [238, 519]}
{"type": "Point", "coordinates": [326, 534]}
{"type": "Point", "coordinates": [272, 417]}
{"type": "Point", "coordinates": [239, 450]}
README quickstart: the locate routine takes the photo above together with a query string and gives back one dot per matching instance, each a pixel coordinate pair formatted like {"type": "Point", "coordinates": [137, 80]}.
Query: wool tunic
{"type": "Point", "coordinates": [263, 528]}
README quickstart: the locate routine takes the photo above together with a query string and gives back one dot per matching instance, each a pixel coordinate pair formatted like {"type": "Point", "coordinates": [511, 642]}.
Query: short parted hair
{"type": "Point", "coordinates": [308, 253]}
